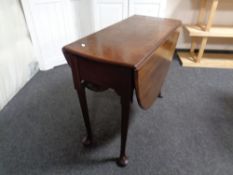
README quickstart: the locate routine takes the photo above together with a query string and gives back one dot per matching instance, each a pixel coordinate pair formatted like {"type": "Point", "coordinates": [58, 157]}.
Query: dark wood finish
{"type": "Point", "coordinates": [80, 88]}
{"type": "Point", "coordinates": [149, 78]}
{"type": "Point", "coordinates": [122, 57]}
{"type": "Point", "coordinates": [128, 43]}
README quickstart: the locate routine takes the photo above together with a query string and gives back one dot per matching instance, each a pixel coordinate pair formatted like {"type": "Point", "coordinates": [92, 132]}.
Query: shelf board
{"type": "Point", "coordinates": [217, 32]}
{"type": "Point", "coordinates": [209, 60]}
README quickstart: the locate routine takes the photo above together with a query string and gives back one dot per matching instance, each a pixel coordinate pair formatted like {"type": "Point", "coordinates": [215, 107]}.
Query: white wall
{"type": "Point", "coordinates": [86, 17]}
{"type": "Point", "coordinates": [17, 63]}
{"type": "Point", "coordinates": [187, 11]}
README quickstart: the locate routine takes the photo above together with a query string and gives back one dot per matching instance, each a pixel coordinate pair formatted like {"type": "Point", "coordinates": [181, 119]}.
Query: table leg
{"type": "Point", "coordinates": [131, 98]}
{"type": "Point", "coordinates": [83, 102]}
{"type": "Point", "coordinates": [160, 95]}
{"type": "Point", "coordinates": [125, 108]}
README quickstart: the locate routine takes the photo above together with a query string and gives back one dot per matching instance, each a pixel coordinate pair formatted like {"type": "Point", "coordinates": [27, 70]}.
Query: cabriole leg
{"type": "Point", "coordinates": [83, 102]}
{"type": "Point", "coordinates": [125, 105]}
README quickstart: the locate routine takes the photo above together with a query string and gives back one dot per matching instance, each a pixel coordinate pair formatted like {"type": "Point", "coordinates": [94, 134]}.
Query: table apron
{"type": "Point", "coordinates": [119, 78]}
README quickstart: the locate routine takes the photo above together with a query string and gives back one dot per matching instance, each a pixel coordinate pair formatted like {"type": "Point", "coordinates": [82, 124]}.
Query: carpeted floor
{"type": "Point", "coordinates": [188, 132]}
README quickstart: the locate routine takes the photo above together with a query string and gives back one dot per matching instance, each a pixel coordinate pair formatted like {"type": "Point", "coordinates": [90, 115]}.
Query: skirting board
{"type": "Point", "coordinates": [209, 60]}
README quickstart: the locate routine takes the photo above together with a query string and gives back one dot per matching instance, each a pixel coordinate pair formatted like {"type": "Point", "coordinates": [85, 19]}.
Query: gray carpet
{"type": "Point", "coordinates": [188, 132]}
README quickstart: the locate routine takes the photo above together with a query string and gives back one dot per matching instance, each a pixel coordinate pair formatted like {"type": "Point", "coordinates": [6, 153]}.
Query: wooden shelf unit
{"type": "Point", "coordinates": [209, 60]}
{"type": "Point", "coordinates": [216, 32]}
{"type": "Point", "coordinates": [204, 30]}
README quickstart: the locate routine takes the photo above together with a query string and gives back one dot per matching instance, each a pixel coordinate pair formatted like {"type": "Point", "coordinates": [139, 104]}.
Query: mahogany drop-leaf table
{"type": "Point", "coordinates": [133, 54]}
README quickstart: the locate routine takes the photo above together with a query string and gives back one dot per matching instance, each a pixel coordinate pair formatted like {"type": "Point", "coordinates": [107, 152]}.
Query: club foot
{"type": "Point", "coordinates": [122, 161]}
{"type": "Point", "coordinates": [87, 141]}
{"type": "Point", "coordinates": [160, 95]}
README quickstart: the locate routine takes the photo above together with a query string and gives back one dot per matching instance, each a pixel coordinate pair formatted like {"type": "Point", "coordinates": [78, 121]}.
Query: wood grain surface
{"type": "Point", "coordinates": [150, 77]}
{"type": "Point", "coordinates": [129, 42]}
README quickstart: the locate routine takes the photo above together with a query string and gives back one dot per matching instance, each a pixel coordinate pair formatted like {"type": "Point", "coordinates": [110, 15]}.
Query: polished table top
{"type": "Point", "coordinates": [129, 42]}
